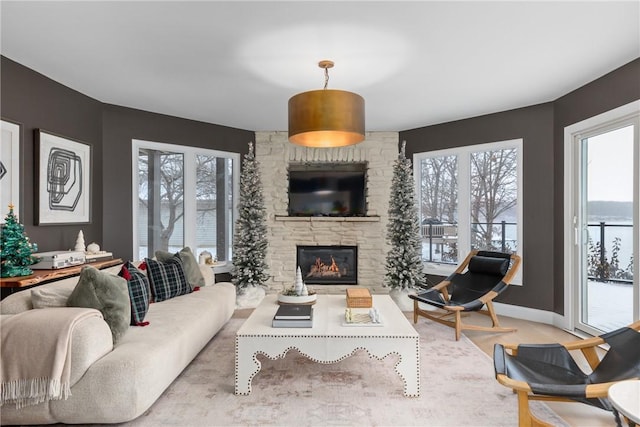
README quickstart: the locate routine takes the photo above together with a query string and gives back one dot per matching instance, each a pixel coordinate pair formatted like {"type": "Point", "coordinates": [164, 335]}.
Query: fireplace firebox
{"type": "Point", "coordinates": [328, 265]}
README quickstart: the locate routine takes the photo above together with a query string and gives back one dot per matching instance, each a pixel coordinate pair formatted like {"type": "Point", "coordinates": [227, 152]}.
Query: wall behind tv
{"type": "Point", "coordinates": [541, 127]}
{"type": "Point", "coordinates": [35, 101]}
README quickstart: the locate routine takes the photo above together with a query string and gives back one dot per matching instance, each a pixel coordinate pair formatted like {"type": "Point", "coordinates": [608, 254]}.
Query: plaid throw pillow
{"type": "Point", "coordinates": [167, 279]}
{"type": "Point", "coordinates": [138, 293]}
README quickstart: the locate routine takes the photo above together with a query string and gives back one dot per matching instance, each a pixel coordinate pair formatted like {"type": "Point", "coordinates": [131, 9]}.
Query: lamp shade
{"type": "Point", "coordinates": [326, 118]}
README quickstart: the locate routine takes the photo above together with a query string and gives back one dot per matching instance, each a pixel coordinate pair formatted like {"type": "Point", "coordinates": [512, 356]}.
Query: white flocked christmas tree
{"type": "Point", "coordinates": [404, 262]}
{"type": "Point", "coordinates": [250, 239]}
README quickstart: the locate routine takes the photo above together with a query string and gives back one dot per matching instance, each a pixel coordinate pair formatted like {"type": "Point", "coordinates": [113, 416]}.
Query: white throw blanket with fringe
{"type": "Point", "coordinates": [36, 354]}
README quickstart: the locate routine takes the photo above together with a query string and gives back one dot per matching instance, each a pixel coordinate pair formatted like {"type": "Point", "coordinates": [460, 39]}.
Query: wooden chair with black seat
{"type": "Point", "coordinates": [482, 276]}
{"type": "Point", "coordinates": [552, 371]}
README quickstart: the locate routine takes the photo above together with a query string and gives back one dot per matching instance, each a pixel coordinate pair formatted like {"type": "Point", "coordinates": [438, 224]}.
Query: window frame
{"type": "Point", "coordinates": [463, 154]}
{"type": "Point", "coordinates": [190, 206]}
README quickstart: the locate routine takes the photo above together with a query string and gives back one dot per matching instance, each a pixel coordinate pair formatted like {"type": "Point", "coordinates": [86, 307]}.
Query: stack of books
{"type": "Point", "coordinates": [293, 316]}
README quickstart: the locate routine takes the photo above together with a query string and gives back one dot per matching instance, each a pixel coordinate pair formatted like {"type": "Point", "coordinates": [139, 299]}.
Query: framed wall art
{"type": "Point", "coordinates": [9, 169]}
{"type": "Point", "coordinates": [63, 181]}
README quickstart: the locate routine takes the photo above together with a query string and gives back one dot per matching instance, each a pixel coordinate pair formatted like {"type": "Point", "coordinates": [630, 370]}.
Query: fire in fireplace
{"type": "Point", "coordinates": [328, 265]}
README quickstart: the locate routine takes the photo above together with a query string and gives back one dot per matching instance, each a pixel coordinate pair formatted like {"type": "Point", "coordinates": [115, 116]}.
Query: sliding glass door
{"type": "Point", "coordinates": [605, 225]}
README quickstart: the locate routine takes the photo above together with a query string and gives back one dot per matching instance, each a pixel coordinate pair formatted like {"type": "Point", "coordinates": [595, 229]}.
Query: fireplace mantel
{"type": "Point", "coordinates": [374, 218]}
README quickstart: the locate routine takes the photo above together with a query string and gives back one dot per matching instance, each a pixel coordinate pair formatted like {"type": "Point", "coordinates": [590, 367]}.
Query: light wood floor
{"type": "Point", "coordinates": [575, 414]}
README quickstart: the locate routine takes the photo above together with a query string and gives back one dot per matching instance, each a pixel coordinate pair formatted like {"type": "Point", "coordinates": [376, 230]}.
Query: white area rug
{"type": "Point", "coordinates": [457, 384]}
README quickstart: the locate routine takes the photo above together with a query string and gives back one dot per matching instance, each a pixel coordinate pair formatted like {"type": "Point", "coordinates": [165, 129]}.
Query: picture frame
{"type": "Point", "coordinates": [63, 189]}
{"type": "Point", "coordinates": [9, 168]}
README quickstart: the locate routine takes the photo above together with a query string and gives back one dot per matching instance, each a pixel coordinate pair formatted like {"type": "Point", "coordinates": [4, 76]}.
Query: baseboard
{"type": "Point", "coordinates": [526, 313]}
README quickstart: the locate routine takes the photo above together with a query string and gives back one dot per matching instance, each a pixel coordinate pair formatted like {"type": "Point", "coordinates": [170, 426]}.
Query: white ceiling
{"type": "Point", "coordinates": [237, 63]}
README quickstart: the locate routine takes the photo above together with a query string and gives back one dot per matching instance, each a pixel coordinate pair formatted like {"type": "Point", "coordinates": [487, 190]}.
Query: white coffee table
{"type": "Point", "coordinates": [328, 341]}
{"type": "Point", "coordinates": [625, 398]}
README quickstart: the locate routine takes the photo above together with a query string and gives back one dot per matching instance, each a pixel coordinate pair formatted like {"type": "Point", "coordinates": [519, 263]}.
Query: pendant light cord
{"type": "Point", "coordinates": [326, 77]}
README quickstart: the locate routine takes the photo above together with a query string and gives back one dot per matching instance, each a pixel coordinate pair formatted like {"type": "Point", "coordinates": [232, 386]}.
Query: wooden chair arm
{"type": "Point", "coordinates": [513, 384]}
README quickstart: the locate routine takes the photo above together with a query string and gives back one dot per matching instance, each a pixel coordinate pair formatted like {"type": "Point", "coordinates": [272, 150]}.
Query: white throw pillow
{"type": "Point", "coordinates": [50, 296]}
{"type": "Point", "coordinates": [208, 274]}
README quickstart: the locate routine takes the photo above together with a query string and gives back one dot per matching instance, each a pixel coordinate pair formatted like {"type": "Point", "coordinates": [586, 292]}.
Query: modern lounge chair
{"type": "Point", "coordinates": [551, 372]}
{"type": "Point", "coordinates": [487, 275]}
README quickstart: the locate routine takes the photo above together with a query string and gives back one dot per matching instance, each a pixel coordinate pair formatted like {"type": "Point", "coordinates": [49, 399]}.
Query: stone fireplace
{"type": "Point", "coordinates": [366, 232]}
{"type": "Point", "coordinates": [328, 265]}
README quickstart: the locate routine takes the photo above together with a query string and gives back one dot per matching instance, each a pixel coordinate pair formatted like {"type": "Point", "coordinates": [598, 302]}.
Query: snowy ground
{"type": "Point", "coordinates": [610, 305]}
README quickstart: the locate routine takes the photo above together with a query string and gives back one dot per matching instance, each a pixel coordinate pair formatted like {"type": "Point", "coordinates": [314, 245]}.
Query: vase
{"type": "Point", "coordinates": [401, 298]}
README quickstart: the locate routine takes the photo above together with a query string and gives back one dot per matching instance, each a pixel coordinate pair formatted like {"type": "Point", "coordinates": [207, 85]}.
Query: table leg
{"type": "Point", "coordinates": [247, 366]}
{"type": "Point", "coordinates": [409, 368]}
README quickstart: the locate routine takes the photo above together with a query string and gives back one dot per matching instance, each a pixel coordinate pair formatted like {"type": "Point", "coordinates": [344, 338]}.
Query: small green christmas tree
{"type": "Point", "coordinates": [250, 239]}
{"type": "Point", "coordinates": [404, 261]}
{"type": "Point", "coordinates": [15, 248]}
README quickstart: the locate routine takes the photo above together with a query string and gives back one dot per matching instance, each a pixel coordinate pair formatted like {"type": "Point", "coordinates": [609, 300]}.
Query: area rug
{"type": "Point", "coordinates": [457, 388]}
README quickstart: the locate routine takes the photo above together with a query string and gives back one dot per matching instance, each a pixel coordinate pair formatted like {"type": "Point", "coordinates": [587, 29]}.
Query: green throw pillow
{"type": "Point", "coordinates": [107, 293]}
{"type": "Point", "coordinates": [189, 265]}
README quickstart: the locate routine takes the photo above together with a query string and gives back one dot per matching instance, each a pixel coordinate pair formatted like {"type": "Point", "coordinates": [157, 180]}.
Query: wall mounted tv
{"type": "Point", "coordinates": [327, 189]}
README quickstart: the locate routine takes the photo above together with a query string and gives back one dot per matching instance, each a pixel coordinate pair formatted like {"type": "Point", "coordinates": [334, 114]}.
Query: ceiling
{"type": "Point", "coordinates": [237, 63]}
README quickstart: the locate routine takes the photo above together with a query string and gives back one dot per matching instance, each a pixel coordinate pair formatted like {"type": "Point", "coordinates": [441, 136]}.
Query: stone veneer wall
{"type": "Point", "coordinates": [274, 152]}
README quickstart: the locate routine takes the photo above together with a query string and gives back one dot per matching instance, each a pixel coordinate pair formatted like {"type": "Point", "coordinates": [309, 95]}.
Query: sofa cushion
{"type": "Point", "coordinates": [189, 264]}
{"type": "Point", "coordinates": [46, 297]}
{"type": "Point", "coordinates": [167, 279]}
{"type": "Point", "coordinates": [105, 292]}
{"type": "Point", "coordinates": [139, 292]}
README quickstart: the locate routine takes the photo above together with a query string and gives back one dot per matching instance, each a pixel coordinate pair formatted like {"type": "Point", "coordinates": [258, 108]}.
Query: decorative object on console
{"type": "Point", "coordinates": [250, 242]}
{"type": "Point", "coordinates": [204, 257]}
{"type": "Point", "coordinates": [16, 252]}
{"type": "Point", "coordinates": [404, 261]}
{"type": "Point", "coordinates": [326, 118]}
{"type": "Point", "coordinates": [58, 259]}
{"type": "Point", "coordinates": [93, 248]}
{"type": "Point", "coordinates": [79, 247]}
{"type": "Point", "coordinates": [64, 180]}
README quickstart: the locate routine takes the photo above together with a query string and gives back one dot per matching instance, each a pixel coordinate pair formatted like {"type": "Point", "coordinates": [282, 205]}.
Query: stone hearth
{"type": "Point", "coordinates": [275, 152]}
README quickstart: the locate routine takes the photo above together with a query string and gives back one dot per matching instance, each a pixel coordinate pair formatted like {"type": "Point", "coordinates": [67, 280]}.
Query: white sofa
{"type": "Point", "coordinates": [113, 384]}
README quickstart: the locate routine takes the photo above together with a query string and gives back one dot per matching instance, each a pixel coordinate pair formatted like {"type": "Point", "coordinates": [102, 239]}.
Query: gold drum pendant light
{"type": "Point", "coordinates": [326, 118]}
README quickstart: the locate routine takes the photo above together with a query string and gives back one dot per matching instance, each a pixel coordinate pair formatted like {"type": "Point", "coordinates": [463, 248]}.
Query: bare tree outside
{"type": "Point", "coordinates": [161, 178]}
{"type": "Point", "coordinates": [494, 194]}
{"type": "Point", "coordinates": [493, 202]}
{"type": "Point", "coordinates": [439, 187]}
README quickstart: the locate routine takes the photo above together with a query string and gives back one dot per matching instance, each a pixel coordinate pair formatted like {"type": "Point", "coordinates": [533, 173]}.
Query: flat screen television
{"type": "Point", "coordinates": [327, 189]}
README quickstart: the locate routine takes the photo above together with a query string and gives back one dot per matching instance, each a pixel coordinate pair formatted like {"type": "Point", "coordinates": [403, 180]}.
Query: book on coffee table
{"type": "Point", "coordinates": [294, 312]}
{"type": "Point", "coordinates": [293, 316]}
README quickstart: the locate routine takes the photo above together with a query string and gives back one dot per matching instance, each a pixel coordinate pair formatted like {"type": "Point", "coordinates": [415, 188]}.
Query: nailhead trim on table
{"type": "Point", "coordinates": [326, 362]}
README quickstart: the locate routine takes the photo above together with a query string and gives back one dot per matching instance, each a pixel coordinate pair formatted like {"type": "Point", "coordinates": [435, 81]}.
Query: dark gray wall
{"type": "Point", "coordinates": [122, 125]}
{"type": "Point", "coordinates": [535, 126]}
{"type": "Point", "coordinates": [542, 128]}
{"type": "Point", "coordinates": [615, 89]}
{"type": "Point", "coordinates": [35, 101]}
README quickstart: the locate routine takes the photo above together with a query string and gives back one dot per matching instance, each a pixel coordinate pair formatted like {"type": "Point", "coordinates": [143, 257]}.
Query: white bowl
{"type": "Point", "coordinates": [297, 299]}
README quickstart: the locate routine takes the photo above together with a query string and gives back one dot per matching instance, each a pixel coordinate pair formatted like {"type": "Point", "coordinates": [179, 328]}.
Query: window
{"type": "Point", "coordinates": [186, 197]}
{"type": "Point", "coordinates": [469, 198]}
